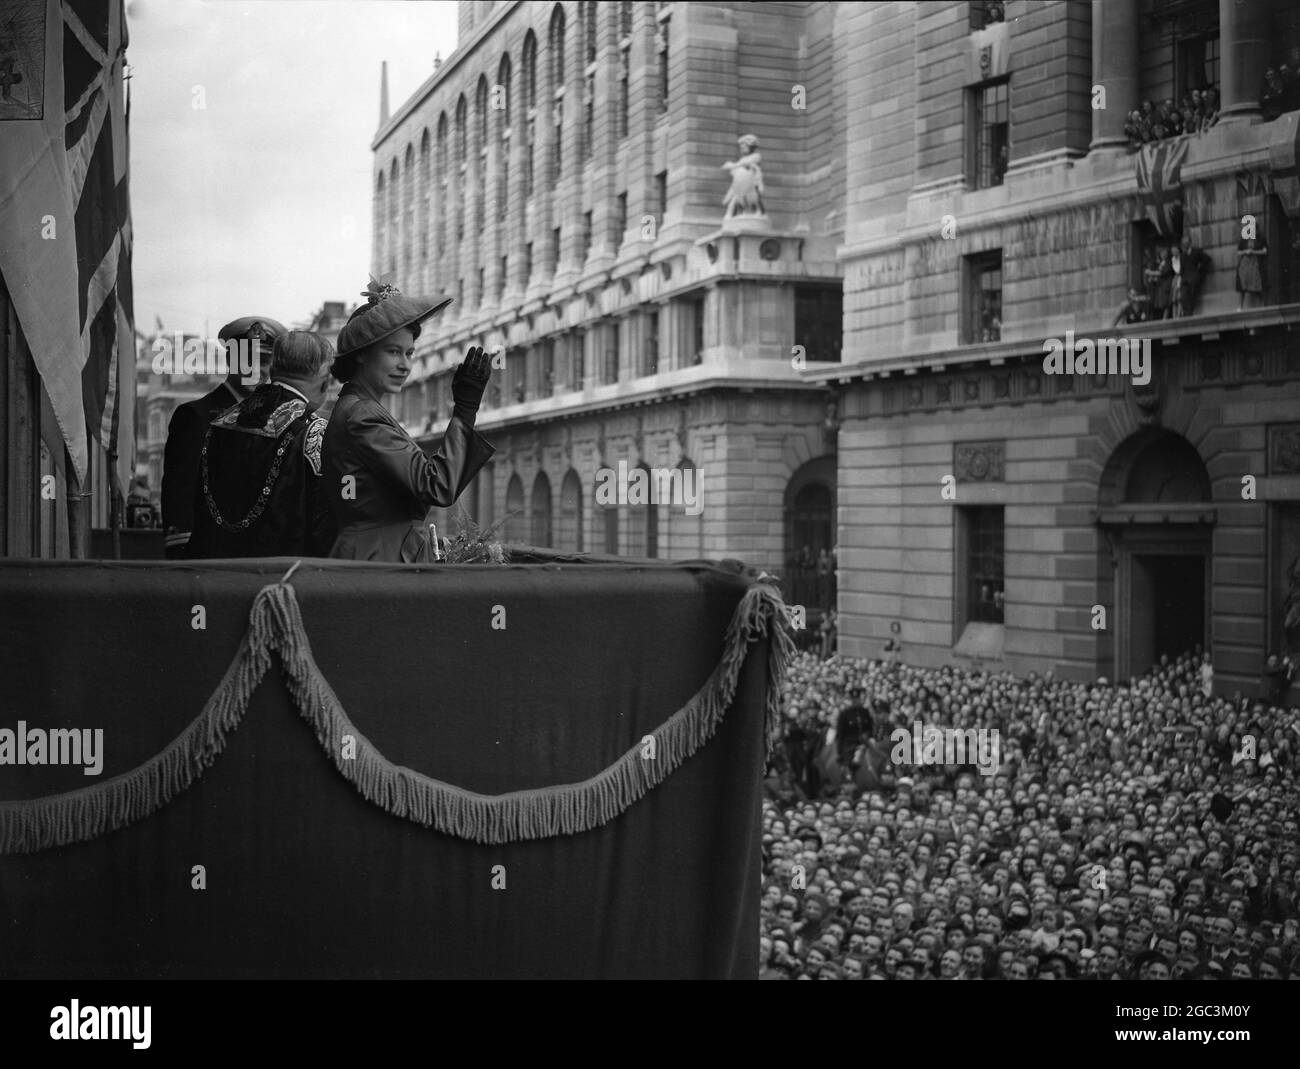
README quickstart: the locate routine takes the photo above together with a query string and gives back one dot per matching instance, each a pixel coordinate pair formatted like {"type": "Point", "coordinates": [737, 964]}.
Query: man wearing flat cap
{"type": "Point", "coordinates": [189, 423]}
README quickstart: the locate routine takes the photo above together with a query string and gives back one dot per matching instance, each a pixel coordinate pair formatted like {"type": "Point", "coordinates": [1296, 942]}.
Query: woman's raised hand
{"type": "Point", "coordinates": [469, 382]}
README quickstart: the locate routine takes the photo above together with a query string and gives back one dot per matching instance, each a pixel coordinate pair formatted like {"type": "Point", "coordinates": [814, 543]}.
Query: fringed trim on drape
{"type": "Point", "coordinates": [275, 623]}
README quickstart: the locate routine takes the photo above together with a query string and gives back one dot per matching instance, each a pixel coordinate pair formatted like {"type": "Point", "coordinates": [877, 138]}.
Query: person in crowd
{"type": "Point", "coordinates": [260, 490]}
{"type": "Point", "coordinates": [1190, 266]}
{"type": "Point", "coordinates": [380, 483]}
{"type": "Point", "coordinates": [189, 424]}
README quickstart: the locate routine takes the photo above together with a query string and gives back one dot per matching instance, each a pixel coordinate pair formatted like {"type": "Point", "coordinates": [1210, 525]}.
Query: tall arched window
{"type": "Point", "coordinates": [480, 200]}
{"type": "Point", "coordinates": [540, 513]}
{"type": "Point", "coordinates": [514, 527]}
{"type": "Point", "coordinates": [394, 237]}
{"type": "Point", "coordinates": [530, 109]}
{"type": "Point", "coordinates": [381, 218]}
{"type": "Point", "coordinates": [505, 73]}
{"type": "Point", "coordinates": [462, 132]}
{"type": "Point", "coordinates": [422, 198]}
{"type": "Point", "coordinates": [589, 38]}
{"type": "Point", "coordinates": [481, 109]}
{"type": "Point", "coordinates": [486, 495]}
{"type": "Point", "coordinates": [570, 533]}
{"type": "Point", "coordinates": [529, 63]}
{"type": "Point", "coordinates": [461, 135]}
{"type": "Point", "coordinates": [557, 47]}
{"type": "Point", "coordinates": [408, 208]}
{"type": "Point", "coordinates": [440, 152]}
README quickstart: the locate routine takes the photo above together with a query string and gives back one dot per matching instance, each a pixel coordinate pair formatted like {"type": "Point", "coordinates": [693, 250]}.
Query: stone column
{"type": "Point", "coordinates": [1243, 52]}
{"type": "Point", "coordinates": [1115, 67]}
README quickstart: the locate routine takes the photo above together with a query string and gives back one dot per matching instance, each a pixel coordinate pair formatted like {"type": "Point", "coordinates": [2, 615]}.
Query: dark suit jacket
{"type": "Point", "coordinates": [380, 483]}
{"type": "Point", "coordinates": [181, 464]}
{"type": "Point", "coordinates": [260, 472]}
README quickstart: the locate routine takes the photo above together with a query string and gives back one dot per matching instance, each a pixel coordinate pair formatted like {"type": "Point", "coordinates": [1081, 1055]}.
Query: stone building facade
{"type": "Point", "coordinates": [948, 189]}
{"type": "Point", "coordinates": [1086, 523]}
{"type": "Point", "coordinates": [561, 176]}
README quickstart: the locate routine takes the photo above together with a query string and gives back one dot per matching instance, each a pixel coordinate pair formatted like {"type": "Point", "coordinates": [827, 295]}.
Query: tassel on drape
{"type": "Point", "coordinates": [275, 623]}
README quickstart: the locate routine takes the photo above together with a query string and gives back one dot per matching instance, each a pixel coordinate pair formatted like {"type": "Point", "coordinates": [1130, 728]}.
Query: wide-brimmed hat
{"type": "Point", "coordinates": [386, 311]}
{"type": "Point", "coordinates": [270, 329]}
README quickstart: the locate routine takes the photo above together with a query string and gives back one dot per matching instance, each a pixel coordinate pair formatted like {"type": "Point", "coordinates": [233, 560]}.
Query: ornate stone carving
{"type": "Point", "coordinates": [980, 462]}
{"type": "Point", "coordinates": [943, 391]}
{"type": "Point", "coordinates": [1284, 449]}
{"type": "Point", "coordinates": [972, 389]}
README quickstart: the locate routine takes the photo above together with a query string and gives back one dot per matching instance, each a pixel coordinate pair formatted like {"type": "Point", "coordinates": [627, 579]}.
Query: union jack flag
{"type": "Point", "coordinates": [1160, 184]}
{"type": "Point", "coordinates": [65, 224]}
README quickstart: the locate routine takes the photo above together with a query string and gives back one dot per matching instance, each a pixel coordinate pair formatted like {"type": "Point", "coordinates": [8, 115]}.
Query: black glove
{"type": "Point", "coordinates": [469, 382]}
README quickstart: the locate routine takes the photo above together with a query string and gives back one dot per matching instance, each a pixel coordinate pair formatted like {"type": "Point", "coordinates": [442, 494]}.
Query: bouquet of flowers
{"type": "Point", "coordinates": [472, 544]}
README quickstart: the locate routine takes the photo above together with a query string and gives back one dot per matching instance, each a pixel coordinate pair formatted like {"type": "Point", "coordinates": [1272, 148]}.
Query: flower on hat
{"type": "Point", "coordinates": [379, 289]}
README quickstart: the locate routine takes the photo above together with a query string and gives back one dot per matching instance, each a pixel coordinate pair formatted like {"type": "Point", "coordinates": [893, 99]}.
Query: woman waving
{"type": "Point", "coordinates": [380, 483]}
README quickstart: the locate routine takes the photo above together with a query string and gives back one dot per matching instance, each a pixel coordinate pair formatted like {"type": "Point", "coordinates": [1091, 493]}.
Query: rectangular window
{"type": "Point", "coordinates": [557, 143]}
{"type": "Point", "coordinates": [589, 117]}
{"type": "Point", "coordinates": [528, 264]}
{"type": "Point", "coordinates": [697, 330]}
{"type": "Point", "coordinates": [586, 235]}
{"type": "Point", "coordinates": [529, 144]}
{"type": "Point", "coordinates": [661, 197]}
{"type": "Point", "coordinates": [1196, 63]}
{"type": "Point", "coordinates": [982, 564]}
{"type": "Point", "coordinates": [650, 365]}
{"type": "Point", "coordinates": [546, 372]}
{"type": "Point", "coordinates": [481, 295]}
{"type": "Point", "coordinates": [620, 220]}
{"type": "Point", "coordinates": [990, 129]}
{"type": "Point", "coordinates": [984, 13]}
{"type": "Point", "coordinates": [555, 249]}
{"type": "Point", "coordinates": [505, 274]}
{"type": "Point", "coordinates": [983, 298]}
{"type": "Point", "coordinates": [624, 91]}
{"type": "Point", "coordinates": [609, 368]}
{"type": "Point", "coordinates": [819, 321]}
{"type": "Point", "coordinates": [577, 354]}
{"type": "Point", "coordinates": [661, 46]}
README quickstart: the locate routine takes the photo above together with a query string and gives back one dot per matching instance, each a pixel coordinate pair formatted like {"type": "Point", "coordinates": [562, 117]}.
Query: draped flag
{"type": "Point", "coordinates": [1160, 184]}
{"type": "Point", "coordinates": [1284, 159]}
{"type": "Point", "coordinates": [65, 229]}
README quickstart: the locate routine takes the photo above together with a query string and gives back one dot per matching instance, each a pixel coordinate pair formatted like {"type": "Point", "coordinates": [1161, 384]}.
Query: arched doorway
{"type": "Point", "coordinates": [570, 532]}
{"type": "Point", "coordinates": [540, 518]}
{"type": "Point", "coordinates": [1155, 511]}
{"type": "Point", "coordinates": [810, 539]}
{"type": "Point", "coordinates": [514, 509]}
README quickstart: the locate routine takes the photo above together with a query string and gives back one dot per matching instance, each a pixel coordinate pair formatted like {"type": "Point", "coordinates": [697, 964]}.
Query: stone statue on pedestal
{"type": "Point", "coordinates": [745, 197]}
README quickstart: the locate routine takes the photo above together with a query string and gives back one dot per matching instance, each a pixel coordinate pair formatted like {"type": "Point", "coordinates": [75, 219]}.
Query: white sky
{"type": "Point", "coordinates": [260, 203]}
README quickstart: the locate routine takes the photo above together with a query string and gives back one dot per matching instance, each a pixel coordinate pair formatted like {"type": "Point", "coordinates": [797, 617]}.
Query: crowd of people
{"type": "Point", "coordinates": [1196, 113]}
{"type": "Point", "coordinates": [1173, 275]}
{"type": "Point", "coordinates": [1281, 92]}
{"type": "Point", "coordinates": [1145, 830]}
